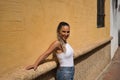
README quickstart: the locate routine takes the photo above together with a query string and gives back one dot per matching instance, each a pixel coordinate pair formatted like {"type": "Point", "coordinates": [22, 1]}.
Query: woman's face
{"type": "Point", "coordinates": [64, 32]}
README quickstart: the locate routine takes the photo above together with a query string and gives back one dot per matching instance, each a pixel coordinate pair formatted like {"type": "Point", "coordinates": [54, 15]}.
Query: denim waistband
{"type": "Point", "coordinates": [66, 68]}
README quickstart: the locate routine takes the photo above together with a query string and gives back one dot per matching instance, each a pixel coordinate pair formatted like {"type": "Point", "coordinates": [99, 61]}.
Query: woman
{"type": "Point", "coordinates": [64, 53]}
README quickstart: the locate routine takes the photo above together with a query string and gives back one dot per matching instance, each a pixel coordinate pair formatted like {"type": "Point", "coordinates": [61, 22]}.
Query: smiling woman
{"type": "Point", "coordinates": [63, 32]}
{"type": "Point", "coordinates": [64, 53]}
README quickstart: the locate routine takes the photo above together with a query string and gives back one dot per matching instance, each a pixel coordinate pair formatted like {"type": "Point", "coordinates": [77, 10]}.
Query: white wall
{"type": "Point", "coordinates": [118, 20]}
{"type": "Point", "coordinates": [114, 24]}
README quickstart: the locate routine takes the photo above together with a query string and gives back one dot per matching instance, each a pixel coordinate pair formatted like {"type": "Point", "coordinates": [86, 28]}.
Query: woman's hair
{"type": "Point", "coordinates": [61, 24]}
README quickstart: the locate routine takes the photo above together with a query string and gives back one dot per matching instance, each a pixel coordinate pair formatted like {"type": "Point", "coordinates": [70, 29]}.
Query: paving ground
{"type": "Point", "coordinates": [113, 70]}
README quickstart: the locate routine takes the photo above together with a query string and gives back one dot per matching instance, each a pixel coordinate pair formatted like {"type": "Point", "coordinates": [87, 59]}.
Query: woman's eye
{"type": "Point", "coordinates": [63, 31]}
{"type": "Point", "coordinates": [68, 32]}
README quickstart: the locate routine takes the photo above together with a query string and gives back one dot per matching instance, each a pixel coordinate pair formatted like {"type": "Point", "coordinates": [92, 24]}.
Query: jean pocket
{"type": "Point", "coordinates": [68, 75]}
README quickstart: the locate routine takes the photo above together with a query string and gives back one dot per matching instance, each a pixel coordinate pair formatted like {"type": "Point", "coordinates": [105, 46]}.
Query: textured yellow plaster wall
{"type": "Point", "coordinates": [27, 27]}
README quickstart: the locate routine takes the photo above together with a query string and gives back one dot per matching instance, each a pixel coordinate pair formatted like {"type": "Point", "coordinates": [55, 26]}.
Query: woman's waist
{"type": "Point", "coordinates": [65, 68]}
{"type": "Point", "coordinates": [66, 63]}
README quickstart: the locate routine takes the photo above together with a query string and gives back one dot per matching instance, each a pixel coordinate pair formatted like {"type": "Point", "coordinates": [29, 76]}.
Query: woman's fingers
{"type": "Point", "coordinates": [29, 67]}
{"type": "Point", "coordinates": [35, 67]}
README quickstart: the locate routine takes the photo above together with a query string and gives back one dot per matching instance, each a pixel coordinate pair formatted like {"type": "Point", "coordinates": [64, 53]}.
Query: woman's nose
{"type": "Point", "coordinates": [66, 34]}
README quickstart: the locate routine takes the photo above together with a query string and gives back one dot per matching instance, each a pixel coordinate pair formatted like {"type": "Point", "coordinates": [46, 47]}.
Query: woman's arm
{"type": "Point", "coordinates": [51, 48]}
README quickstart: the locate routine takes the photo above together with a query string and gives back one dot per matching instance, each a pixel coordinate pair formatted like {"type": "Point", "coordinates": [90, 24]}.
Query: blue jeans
{"type": "Point", "coordinates": [65, 73]}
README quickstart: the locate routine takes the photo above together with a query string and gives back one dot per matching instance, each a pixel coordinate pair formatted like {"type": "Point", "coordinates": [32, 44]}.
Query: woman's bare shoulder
{"type": "Point", "coordinates": [56, 43]}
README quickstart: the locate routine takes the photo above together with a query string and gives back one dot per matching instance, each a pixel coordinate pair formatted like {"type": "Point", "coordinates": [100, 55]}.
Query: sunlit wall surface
{"type": "Point", "coordinates": [27, 27]}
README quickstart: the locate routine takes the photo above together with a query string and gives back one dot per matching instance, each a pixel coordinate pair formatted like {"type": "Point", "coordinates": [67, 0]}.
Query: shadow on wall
{"type": "Point", "coordinates": [115, 6]}
{"type": "Point", "coordinates": [119, 37]}
{"type": "Point", "coordinates": [119, 8]}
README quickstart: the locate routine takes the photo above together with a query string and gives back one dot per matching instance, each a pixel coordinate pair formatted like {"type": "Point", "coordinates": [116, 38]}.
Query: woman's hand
{"type": "Point", "coordinates": [31, 67]}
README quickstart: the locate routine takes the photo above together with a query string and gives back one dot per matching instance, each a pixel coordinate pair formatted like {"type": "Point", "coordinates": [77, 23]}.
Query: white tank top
{"type": "Point", "coordinates": [66, 59]}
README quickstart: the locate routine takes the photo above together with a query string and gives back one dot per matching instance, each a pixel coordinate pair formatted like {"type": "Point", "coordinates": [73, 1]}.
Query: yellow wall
{"type": "Point", "coordinates": [27, 27]}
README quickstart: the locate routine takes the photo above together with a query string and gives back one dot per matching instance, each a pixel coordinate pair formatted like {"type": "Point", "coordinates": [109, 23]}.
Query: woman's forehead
{"type": "Point", "coordinates": [65, 27]}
